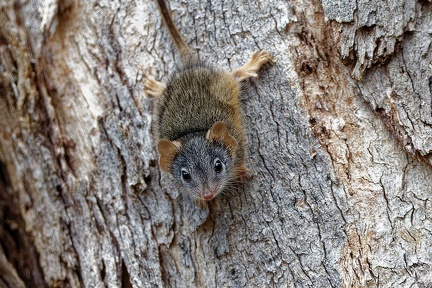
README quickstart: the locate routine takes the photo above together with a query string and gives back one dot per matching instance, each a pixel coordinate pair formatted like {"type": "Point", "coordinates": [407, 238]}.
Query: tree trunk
{"type": "Point", "coordinates": [339, 132]}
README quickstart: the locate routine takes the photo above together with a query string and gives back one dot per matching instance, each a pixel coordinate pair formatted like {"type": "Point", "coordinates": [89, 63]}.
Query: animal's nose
{"type": "Point", "coordinates": [208, 195]}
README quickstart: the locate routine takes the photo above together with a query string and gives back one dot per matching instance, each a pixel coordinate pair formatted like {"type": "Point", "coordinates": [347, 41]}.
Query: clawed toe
{"type": "Point", "coordinates": [251, 68]}
{"type": "Point", "coordinates": [154, 88]}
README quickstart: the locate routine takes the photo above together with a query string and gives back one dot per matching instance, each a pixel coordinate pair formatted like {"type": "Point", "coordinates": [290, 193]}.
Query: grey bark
{"type": "Point", "coordinates": [339, 135]}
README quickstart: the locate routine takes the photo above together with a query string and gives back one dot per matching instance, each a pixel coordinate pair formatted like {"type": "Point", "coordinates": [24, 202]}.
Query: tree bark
{"type": "Point", "coordinates": [339, 132]}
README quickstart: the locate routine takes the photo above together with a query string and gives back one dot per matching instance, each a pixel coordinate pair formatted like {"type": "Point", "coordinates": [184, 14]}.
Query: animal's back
{"type": "Point", "coordinates": [195, 98]}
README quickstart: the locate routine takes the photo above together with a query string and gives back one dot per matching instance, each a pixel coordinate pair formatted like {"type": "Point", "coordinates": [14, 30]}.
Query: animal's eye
{"type": "Point", "coordinates": [185, 175]}
{"type": "Point", "coordinates": [218, 165]}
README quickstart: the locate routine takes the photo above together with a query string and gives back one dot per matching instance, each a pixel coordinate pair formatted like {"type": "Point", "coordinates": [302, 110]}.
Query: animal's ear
{"type": "Point", "coordinates": [219, 133]}
{"type": "Point", "coordinates": [167, 150]}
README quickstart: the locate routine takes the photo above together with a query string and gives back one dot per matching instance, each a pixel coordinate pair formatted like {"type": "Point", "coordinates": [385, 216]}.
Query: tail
{"type": "Point", "coordinates": [178, 40]}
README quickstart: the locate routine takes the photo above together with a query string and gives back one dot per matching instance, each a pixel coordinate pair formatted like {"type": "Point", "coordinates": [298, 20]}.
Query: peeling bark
{"type": "Point", "coordinates": [390, 46]}
{"type": "Point", "coordinates": [339, 135]}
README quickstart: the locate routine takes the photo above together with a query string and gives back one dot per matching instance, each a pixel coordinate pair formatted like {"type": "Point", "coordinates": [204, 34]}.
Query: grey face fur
{"type": "Point", "coordinates": [202, 168]}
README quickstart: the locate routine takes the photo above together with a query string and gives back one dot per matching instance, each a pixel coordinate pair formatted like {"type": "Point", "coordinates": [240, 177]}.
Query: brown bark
{"type": "Point", "coordinates": [339, 135]}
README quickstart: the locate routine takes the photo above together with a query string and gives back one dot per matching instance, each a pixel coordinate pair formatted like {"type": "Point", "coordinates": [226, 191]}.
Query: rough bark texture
{"type": "Point", "coordinates": [339, 131]}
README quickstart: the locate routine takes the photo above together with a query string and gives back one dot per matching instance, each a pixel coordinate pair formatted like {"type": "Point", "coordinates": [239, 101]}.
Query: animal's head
{"type": "Point", "coordinates": [202, 166]}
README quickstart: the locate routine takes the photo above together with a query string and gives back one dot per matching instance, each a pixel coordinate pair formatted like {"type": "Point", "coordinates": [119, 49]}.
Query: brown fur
{"type": "Point", "coordinates": [219, 133]}
{"type": "Point", "coordinates": [196, 99]}
{"type": "Point", "coordinates": [168, 151]}
{"type": "Point", "coordinates": [199, 99]}
{"type": "Point", "coordinates": [172, 29]}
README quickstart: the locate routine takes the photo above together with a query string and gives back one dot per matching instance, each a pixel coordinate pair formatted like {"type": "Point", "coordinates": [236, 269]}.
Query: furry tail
{"type": "Point", "coordinates": [178, 40]}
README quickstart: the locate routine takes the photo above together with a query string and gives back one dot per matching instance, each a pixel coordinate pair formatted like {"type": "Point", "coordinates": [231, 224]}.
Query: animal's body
{"type": "Point", "coordinates": [202, 138]}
